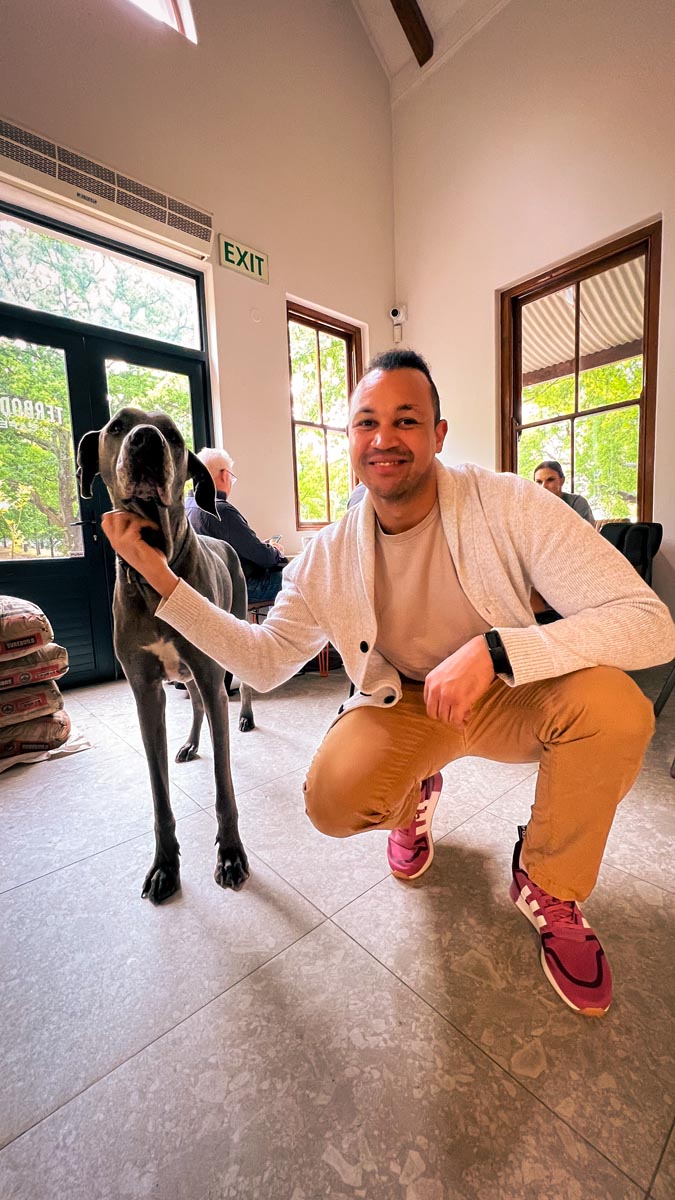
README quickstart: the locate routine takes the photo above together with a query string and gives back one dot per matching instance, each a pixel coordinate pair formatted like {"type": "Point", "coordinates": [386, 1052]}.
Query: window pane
{"type": "Point", "coordinates": [38, 488]}
{"type": "Point", "coordinates": [51, 273]}
{"type": "Point", "coordinates": [547, 441]}
{"type": "Point", "coordinates": [304, 373]}
{"type": "Point", "coordinates": [611, 328]}
{"type": "Point", "coordinates": [611, 384]}
{"type": "Point", "coordinates": [338, 473]}
{"type": "Point", "coordinates": [606, 462]}
{"type": "Point", "coordinates": [310, 462]}
{"type": "Point", "coordinates": [550, 398]}
{"type": "Point", "coordinates": [334, 382]}
{"type": "Point", "coordinates": [152, 391]}
{"type": "Point", "coordinates": [547, 353]}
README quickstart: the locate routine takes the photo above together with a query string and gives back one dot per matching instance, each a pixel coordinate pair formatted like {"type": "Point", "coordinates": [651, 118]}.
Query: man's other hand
{"type": "Point", "coordinates": [454, 686]}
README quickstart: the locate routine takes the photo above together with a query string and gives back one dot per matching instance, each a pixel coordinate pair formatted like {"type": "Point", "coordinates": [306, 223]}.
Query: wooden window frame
{"type": "Point", "coordinates": [352, 335]}
{"type": "Point", "coordinates": [645, 241]}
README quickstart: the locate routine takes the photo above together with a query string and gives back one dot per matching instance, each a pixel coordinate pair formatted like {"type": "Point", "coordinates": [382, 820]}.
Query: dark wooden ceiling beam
{"type": "Point", "coordinates": [415, 29]}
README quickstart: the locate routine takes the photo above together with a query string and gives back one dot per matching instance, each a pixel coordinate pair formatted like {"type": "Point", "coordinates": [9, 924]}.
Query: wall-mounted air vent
{"type": "Point", "coordinates": [33, 162]}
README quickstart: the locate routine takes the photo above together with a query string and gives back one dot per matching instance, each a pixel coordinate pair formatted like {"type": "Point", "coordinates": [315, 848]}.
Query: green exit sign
{"type": "Point", "coordinates": [244, 259]}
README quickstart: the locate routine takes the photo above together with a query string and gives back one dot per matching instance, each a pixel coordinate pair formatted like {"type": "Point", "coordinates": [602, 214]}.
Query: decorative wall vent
{"type": "Point", "coordinates": [41, 166]}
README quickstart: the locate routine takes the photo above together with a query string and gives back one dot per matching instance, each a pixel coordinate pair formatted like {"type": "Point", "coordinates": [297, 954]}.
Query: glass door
{"type": "Point", "coordinates": [51, 549]}
{"type": "Point", "coordinates": [153, 380]}
{"type": "Point", "coordinates": [54, 388]}
{"type": "Point", "coordinates": [86, 327]}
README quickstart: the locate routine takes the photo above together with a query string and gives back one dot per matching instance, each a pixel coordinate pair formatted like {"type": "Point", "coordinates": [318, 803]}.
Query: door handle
{"type": "Point", "coordinates": [93, 523]}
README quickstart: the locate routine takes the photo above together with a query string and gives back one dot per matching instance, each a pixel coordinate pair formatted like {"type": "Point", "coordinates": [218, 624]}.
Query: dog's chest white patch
{"type": "Point", "coordinates": [167, 654]}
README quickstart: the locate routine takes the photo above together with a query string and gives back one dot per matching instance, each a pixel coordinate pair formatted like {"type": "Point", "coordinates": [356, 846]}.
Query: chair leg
{"type": "Point", "coordinates": [664, 694]}
{"type": "Point", "coordinates": [324, 660]}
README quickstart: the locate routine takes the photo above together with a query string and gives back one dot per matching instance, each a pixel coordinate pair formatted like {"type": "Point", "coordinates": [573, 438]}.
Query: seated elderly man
{"type": "Point", "coordinates": [261, 562]}
{"type": "Point", "coordinates": [550, 475]}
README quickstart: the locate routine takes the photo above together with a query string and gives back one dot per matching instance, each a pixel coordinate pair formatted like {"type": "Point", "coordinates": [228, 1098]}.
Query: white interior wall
{"type": "Point", "coordinates": [551, 131]}
{"type": "Point", "coordinates": [279, 123]}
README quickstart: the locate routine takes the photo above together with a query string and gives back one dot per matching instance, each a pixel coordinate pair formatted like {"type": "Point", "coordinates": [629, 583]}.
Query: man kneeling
{"type": "Point", "coordinates": [424, 590]}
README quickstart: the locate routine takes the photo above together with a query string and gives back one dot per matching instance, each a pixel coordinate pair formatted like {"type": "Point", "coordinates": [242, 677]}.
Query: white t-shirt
{"type": "Point", "coordinates": [422, 613]}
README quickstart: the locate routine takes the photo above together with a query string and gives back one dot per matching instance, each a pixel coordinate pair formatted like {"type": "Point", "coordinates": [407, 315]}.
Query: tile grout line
{"type": "Point", "coordinates": [503, 1070]}
{"type": "Point", "coordinates": [660, 887]}
{"type": "Point", "coordinates": [605, 863]}
{"type": "Point", "coordinates": [207, 811]}
{"type": "Point", "coordinates": [247, 791]}
{"type": "Point", "coordinates": [125, 841]}
{"type": "Point", "coordinates": [437, 842]}
{"type": "Point", "coordinates": [288, 884]}
{"type": "Point", "coordinates": [165, 1033]}
{"type": "Point", "coordinates": [661, 1157]}
{"type": "Point", "coordinates": [98, 853]}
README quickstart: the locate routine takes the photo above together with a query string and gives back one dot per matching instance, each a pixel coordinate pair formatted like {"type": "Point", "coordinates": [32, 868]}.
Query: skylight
{"type": "Point", "coordinates": [176, 13]}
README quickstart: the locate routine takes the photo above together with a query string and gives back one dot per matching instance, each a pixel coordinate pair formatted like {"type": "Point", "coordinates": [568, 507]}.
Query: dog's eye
{"type": "Point", "coordinates": [115, 428]}
{"type": "Point", "coordinates": [174, 437]}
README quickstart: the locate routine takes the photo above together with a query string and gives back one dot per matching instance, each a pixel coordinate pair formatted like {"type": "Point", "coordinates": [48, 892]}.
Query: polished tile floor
{"type": "Point", "coordinates": [328, 1031]}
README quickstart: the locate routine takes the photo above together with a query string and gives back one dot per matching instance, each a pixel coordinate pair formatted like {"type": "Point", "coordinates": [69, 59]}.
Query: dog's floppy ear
{"type": "Point", "coordinates": [205, 488]}
{"type": "Point", "coordinates": [87, 462]}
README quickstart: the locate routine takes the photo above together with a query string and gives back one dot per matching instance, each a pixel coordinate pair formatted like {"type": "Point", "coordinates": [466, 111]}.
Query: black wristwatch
{"type": "Point", "coordinates": [500, 659]}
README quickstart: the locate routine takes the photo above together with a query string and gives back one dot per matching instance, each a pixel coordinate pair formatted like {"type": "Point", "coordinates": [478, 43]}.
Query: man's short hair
{"type": "Point", "coordinates": [550, 464]}
{"type": "Point", "coordinates": [396, 360]}
{"type": "Point", "coordinates": [216, 460]}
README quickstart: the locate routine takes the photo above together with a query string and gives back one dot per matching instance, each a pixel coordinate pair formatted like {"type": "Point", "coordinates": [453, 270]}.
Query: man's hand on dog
{"type": "Point", "coordinates": [454, 686]}
{"type": "Point", "coordinates": [124, 531]}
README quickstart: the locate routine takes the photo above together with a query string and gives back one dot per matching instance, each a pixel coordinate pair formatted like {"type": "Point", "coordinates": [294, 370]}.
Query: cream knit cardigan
{"type": "Point", "coordinates": [506, 535]}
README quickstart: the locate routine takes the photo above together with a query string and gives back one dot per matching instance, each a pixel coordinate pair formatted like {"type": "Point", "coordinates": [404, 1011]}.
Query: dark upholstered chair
{"type": "Point", "coordinates": [614, 532]}
{"type": "Point", "coordinates": [638, 541]}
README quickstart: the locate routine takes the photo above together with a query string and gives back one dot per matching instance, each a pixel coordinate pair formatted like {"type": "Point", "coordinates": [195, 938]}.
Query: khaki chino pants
{"type": "Point", "coordinates": [588, 731]}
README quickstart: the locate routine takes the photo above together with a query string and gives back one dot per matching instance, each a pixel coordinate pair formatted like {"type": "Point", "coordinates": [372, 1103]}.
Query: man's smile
{"type": "Point", "coordinates": [393, 461]}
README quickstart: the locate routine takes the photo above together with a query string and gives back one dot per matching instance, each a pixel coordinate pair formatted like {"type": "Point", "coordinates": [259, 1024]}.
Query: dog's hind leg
{"type": "Point", "coordinates": [240, 609]}
{"type": "Point", "coordinates": [246, 721]}
{"type": "Point", "coordinates": [231, 863]}
{"type": "Point", "coordinates": [189, 749]}
{"type": "Point", "coordinates": [163, 878]}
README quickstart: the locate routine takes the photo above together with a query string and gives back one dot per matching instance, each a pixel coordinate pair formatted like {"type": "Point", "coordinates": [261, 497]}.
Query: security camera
{"type": "Point", "coordinates": [398, 314]}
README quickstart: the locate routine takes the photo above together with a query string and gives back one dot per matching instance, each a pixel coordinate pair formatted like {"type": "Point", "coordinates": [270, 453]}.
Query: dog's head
{"type": "Point", "coordinates": [144, 463]}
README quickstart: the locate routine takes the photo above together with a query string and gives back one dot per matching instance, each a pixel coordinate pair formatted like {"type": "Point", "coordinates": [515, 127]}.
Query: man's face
{"type": "Point", "coordinates": [550, 479]}
{"type": "Point", "coordinates": [393, 437]}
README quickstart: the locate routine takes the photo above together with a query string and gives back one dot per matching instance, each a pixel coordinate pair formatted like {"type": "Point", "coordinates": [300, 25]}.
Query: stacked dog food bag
{"type": "Point", "coordinates": [32, 717]}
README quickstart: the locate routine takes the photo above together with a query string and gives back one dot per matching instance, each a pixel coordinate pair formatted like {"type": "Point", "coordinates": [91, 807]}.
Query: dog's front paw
{"type": "Point", "coordinates": [246, 723]}
{"type": "Point", "coordinates": [161, 882]}
{"type": "Point", "coordinates": [231, 867]}
{"type": "Point", "coordinates": [187, 752]}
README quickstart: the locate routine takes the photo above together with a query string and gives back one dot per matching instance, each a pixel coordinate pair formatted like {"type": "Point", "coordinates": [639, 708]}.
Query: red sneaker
{"type": "Point", "coordinates": [573, 960]}
{"type": "Point", "coordinates": [410, 851]}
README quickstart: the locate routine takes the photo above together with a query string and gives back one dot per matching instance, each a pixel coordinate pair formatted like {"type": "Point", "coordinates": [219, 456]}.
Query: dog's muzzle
{"type": "Point", "coordinates": [145, 469]}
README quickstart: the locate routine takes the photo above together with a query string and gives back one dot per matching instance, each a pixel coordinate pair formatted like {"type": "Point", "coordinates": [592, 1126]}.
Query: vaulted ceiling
{"type": "Point", "coordinates": [449, 24]}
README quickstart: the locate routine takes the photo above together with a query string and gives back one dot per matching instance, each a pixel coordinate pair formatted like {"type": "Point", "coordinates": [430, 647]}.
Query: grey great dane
{"type": "Point", "coordinates": [144, 463]}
